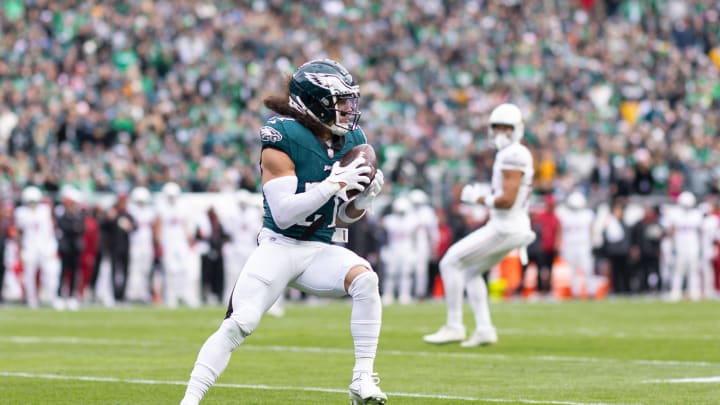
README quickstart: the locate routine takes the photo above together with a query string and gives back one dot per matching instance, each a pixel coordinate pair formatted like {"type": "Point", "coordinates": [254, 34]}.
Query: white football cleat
{"type": "Point", "coordinates": [446, 334]}
{"type": "Point", "coordinates": [364, 390]}
{"type": "Point", "coordinates": [481, 337]}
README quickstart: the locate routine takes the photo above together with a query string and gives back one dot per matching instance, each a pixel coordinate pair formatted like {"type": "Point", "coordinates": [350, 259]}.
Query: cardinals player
{"type": "Point", "coordinates": [38, 248]}
{"type": "Point", "coordinates": [466, 261]}
{"type": "Point", "coordinates": [685, 230]}
{"type": "Point", "coordinates": [577, 221]}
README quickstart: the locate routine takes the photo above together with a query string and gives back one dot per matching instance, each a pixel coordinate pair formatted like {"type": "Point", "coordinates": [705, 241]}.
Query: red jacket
{"type": "Point", "coordinates": [550, 230]}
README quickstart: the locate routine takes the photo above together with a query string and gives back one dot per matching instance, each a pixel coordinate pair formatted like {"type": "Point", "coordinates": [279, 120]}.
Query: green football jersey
{"type": "Point", "coordinates": [313, 162]}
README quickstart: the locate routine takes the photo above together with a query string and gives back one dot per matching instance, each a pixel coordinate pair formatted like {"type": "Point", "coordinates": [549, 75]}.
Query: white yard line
{"type": "Point", "coordinates": [326, 350]}
{"type": "Point", "coordinates": [288, 388]}
{"type": "Point", "coordinates": [686, 380]}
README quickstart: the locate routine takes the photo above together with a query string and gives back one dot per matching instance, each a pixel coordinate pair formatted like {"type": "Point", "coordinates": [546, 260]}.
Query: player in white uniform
{"type": "Point", "coordinates": [175, 241]}
{"type": "Point", "coordinates": [38, 248]}
{"type": "Point", "coordinates": [398, 255]}
{"type": "Point", "coordinates": [576, 249]}
{"type": "Point", "coordinates": [708, 251]}
{"type": "Point", "coordinates": [243, 224]}
{"type": "Point", "coordinates": [426, 238]}
{"type": "Point", "coordinates": [466, 261]}
{"type": "Point", "coordinates": [142, 250]}
{"type": "Point", "coordinates": [685, 228]}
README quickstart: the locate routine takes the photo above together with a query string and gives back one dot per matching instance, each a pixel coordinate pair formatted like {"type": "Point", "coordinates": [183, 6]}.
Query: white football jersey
{"type": "Point", "coordinates": [175, 225]}
{"type": "Point", "coordinates": [400, 232]}
{"type": "Point", "coordinates": [576, 227]}
{"type": "Point", "coordinates": [244, 225]}
{"type": "Point", "coordinates": [686, 225]}
{"type": "Point", "coordinates": [144, 217]}
{"type": "Point", "coordinates": [427, 233]}
{"type": "Point", "coordinates": [514, 157]}
{"type": "Point", "coordinates": [37, 227]}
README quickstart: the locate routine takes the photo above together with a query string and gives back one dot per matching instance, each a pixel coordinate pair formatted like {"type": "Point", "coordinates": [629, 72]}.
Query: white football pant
{"type": "Point", "coordinates": [177, 266]}
{"type": "Point", "coordinates": [686, 264]}
{"type": "Point", "coordinates": [421, 271]}
{"type": "Point", "coordinates": [234, 260]}
{"type": "Point", "coordinates": [316, 268]}
{"type": "Point", "coordinates": [34, 258]}
{"type": "Point", "coordinates": [141, 261]}
{"type": "Point", "coordinates": [464, 264]}
{"type": "Point", "coordinates": [397, 277]}
{"type": "Point", "coordinates": [580, 261]}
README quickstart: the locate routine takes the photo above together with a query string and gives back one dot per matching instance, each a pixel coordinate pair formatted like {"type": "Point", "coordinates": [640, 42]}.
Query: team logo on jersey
{"type": "Point", "coordinates": [270, 134]}
{"type": "Point", "coordinates": [335, 84]}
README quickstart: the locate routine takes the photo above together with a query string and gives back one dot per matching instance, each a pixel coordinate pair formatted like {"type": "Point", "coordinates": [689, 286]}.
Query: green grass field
{"type": "Point", "coordinates": [612, 352]}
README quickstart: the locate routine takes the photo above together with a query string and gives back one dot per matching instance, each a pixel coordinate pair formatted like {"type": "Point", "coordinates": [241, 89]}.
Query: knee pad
{"type": "Point", "coordinates": [246, 318]}
{"type": "Point", "coordinates": [364, 284]}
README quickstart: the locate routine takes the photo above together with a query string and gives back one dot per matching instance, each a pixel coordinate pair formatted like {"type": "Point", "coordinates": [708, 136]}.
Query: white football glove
{"type": "Point", "coordinates": [365, 199]}
{"type": "Point", "coordinates": [471, 192]}
{"type": "Point", "coordinates": [353, 175]}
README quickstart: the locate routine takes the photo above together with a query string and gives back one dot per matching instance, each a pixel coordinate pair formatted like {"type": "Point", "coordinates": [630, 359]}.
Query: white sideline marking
{"type": "Point", "coordinates": [284, 388]}
{"type": "Point", "coordinates": [77, 341]}
{"type": "Point", "coordinates": [398, 353]}
{"type": "Point", "coordinates": [687, 380]}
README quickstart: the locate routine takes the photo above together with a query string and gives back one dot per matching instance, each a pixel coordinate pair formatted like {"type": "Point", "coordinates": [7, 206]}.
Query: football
{"type": "Point", "coordinates": [365, 150]}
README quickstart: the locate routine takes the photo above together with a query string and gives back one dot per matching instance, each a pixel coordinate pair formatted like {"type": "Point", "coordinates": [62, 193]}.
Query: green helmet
{"type": "Point", "coordinates": [317, 87]}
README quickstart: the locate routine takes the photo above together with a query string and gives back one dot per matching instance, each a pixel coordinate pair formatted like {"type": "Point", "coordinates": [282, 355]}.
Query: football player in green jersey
{"type": "Point", "coordinates": [305, 193]}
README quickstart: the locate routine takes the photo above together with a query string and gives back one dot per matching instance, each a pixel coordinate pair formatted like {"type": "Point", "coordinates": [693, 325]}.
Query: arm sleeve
{"type": "Point", "coordinates": [288, 208]}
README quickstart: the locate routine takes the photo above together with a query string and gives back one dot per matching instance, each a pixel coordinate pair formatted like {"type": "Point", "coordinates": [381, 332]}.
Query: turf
{"type": "Point", "coordinates": [611, 352]}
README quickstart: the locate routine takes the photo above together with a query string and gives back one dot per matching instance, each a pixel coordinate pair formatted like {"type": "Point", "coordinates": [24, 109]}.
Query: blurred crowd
{"type": "Point", "coordinates": [618, 95]}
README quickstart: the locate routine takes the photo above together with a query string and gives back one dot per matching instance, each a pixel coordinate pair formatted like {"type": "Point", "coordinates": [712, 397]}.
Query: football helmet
{"type": "Point", "coordinates": [686, 199]}
{"type": "Point", "coordinates": [171, 190]}
{"type": "Point", "coordinates": [510, 115]}
{"type": "Point", "coordinates": [316, 89]}
{"type": "Point", "coordinates": [244, 197]}
{"type": "Point", "coordinates": [576, 200]}
{"type": "Point", "coordinates": [418, 197]}
{"type": "Point", "coordinates": [70, 193]}
{"type": "Point", "coordinates": [31, 195]}
{"type": "Point", "coordinates": [402, 205]}
{"type": "Point", "coordinates": [140, 195]}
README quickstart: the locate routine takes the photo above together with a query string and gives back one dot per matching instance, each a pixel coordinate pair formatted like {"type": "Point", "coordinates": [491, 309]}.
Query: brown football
{"type": "Point", "coordinates": [365, 150]}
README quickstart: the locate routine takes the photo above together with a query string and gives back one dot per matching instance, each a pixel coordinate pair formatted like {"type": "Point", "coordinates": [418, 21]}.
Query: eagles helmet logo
{"type": "Point", "coordinates": [335, 84]}
{"type": "Point", "coordinates": [270, 134]}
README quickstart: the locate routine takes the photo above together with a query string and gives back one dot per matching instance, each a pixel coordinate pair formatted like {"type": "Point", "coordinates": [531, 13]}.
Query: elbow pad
{"type": "Point", "coordinates": [288, 208]}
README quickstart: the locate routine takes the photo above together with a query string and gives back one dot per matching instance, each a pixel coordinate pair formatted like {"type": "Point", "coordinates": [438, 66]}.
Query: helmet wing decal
{"type": "Point", "coordinates": [333, 83]}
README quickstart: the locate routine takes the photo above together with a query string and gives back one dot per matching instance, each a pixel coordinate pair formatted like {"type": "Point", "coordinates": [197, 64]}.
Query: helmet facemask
{"type": "Point", "coordinates": [347, 114]}
{"type": "Point", "coordinates": [501, 135]}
